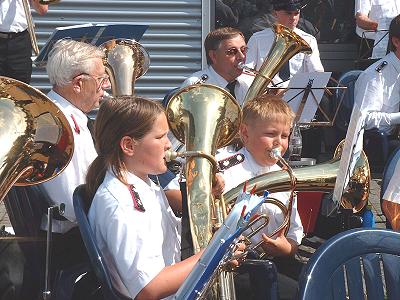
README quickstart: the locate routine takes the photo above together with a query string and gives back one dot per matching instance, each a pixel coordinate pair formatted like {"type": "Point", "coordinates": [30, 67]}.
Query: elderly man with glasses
{"type": "Point", "coordinates": [78, 79]}
{"type": "Point", "coordinates": [225, 49]}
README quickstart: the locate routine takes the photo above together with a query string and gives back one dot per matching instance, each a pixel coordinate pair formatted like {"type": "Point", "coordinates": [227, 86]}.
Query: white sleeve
{"type": "Point", "coordinates": [252, 53]}
{"type": "Point", "coordinates": [362, 6]}
{"type": "Point", "coordinates": [368, 95]}
{"type": "Point", "coordinates": [313, 60]}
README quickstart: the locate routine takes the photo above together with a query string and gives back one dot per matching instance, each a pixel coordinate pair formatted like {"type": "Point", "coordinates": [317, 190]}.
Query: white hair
{"type": "Point", "coordinates": [69, 58]}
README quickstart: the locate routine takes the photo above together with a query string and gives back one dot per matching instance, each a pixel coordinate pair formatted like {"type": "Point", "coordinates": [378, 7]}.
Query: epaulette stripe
{"type": "Point", "coordinates": [380, 67]}
{"type": "Point", "coordinates": [231, 161]}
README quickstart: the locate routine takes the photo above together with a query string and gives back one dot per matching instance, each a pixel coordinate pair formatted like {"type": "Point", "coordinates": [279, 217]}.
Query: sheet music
{"type": "Point", "coordinates": [351, 152]}
{"type": "Point", "coordinates": [296, 90]}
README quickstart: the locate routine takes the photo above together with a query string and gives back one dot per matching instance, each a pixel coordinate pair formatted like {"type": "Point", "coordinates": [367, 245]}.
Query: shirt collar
{"type": "Point", "coordinates": [394, 60]}
{"type": "Point", "coordinates": [255, 168]}
{"type": "Point", "coordinates": [139, 183]}
{"type": "Point", "coordinates": [219, 80]}
{"type": "Point", "coordinates": [68, 107]}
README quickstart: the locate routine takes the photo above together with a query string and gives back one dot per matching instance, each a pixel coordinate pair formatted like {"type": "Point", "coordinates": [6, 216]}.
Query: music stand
{"type": "Point", "coordinates": [92, 34]}
{"type": "Point", "coordinates": [304, 94]}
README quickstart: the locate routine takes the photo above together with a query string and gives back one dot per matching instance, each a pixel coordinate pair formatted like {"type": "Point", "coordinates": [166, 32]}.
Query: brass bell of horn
{"type": "Point", "coordinates": [204, 117]}
{"type": "Point", "coordinates": [125, 61]}
{"type": "Point", "coordinates": [36, 138]}
{"type": "Point", "coordinates": [287, 43]}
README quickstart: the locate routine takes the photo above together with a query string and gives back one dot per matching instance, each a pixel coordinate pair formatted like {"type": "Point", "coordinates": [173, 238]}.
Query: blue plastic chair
{"type": "Point", "coordinates": [353, 264]}
{"type": "Point", "coordinates": [377, 155]}
{"type": "Point", "coordinates": [95, 255]}
{"type": "Point", "coordinates": [388, 173]}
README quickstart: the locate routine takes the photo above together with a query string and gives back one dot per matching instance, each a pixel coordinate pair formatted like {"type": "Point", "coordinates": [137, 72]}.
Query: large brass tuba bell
{"type": "Point", "coordinates": [287, 43]}
{"type": "Point", "coordinates": [204, 117]}
{"type": "Point", "coordinates": [125, 61]}
{"type": "Point", "coordinates": [37, 141]}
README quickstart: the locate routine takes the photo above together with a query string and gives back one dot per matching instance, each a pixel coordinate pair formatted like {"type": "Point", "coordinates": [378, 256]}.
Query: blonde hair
{"type": "Point", "coordinates": [267, 108]}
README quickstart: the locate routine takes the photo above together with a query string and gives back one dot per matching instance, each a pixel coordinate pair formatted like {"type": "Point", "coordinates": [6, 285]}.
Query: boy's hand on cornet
{"type": "Point", "coordinates": [280, 246]}
{"type": "Point", "coordinates": [218, 185]}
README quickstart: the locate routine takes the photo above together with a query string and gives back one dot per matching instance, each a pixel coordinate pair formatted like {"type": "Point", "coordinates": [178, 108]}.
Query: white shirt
{"type": "Point", "coordinates": [136, 245]}
{"type": "Point", "coordinates": [12, 16]}
{"type": "Point", "coordinates": [260, 44]}
{"type": "Point", "coordinates": [249, 169]}
{"type": "Point", "coordinates": [61, 188]}
{"type": "Point", "coordinates": [379, 94]}
{"type": "Point", "coordinates": [243, 81]}
{"type": "Point", "coordinates": [376, 10]}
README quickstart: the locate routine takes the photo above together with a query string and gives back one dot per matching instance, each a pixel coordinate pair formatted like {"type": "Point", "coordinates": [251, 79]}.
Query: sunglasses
{"type": "Point", "coordinates": [234, 51]}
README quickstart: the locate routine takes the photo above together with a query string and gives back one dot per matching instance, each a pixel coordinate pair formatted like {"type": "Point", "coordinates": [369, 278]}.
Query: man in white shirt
{"type": "Point", "coordinates": [377, 92]}
{"type": "Point", "coordinates": [287, 13]}
{"type": "Point", "coordinates": [225, 49]}
{"type": "Point", "coordinates": [15, 43]}
{"type": "Point", "coordinates": [78, 77]}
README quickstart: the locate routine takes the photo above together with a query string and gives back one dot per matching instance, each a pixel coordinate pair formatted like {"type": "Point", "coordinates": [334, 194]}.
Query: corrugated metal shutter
{"type": "Point", "coordinates": [173, 40]}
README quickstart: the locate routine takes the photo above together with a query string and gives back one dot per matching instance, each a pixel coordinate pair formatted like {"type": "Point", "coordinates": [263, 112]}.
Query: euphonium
{"type": "Point", "coordinates": [204, 117]}
{"type": "Point", "coordinates": [36, 139]}
{"type": "Point", "coordinates": [125, 61]}
{"type": "Point", "coordinates": [321, 177]}
{"type": "Point", "coordinates": [287, 43]}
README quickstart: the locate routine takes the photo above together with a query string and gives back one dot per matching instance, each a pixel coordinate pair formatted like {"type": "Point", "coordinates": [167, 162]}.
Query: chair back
{"type": "Point", "coordinates": [354, 264]}
{"type": "Point", "coordinates": [96, 257]}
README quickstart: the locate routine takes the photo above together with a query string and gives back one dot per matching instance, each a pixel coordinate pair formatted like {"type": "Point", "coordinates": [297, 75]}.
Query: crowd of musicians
{"type": "Point", "coordinates": [136, 222]}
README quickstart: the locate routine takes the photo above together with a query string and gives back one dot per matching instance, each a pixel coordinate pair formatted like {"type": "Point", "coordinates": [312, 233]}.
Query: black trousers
{"type": "Point", "coordinates": [15, 57]}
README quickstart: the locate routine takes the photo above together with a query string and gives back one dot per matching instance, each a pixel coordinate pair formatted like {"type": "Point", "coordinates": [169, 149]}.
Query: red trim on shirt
{"type": "Point", "coordinates": [77, 129]}
{"type": "Point", "coordinates": [137, 202]}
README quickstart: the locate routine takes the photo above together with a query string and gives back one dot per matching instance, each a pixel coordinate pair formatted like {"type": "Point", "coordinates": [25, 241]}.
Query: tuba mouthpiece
{"type": "Point", "coordinates": [170, 155]}
{"type": "Point", "coordinates": [276, 153]}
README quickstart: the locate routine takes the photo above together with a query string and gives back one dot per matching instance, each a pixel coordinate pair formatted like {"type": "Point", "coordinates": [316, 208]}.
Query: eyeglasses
{"type": "Point", "coordinates": [234, 51]}
{"type": "Point", "coordinates": [102, 81]}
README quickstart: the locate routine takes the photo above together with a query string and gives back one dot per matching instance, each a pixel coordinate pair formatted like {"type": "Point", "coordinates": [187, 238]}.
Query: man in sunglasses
{"type": "Point", "coordinates": [287, 13]}
{"type": "Point", "coordinates": [225, 49]}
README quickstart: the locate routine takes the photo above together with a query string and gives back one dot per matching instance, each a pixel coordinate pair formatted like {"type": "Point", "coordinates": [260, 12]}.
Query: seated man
{"type": "Point", "coordinates": [77, 73]}
{"type": "Point", "coordinates": [287, 13]}
{"type": "Point", "coordinates": [225, 49]}
{"type": "Point", "coordinates": [377, 92]}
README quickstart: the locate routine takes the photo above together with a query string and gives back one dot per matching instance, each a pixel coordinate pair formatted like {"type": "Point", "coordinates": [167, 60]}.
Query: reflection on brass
{"type": "Point", "coordinates": [287, 43]}
{"type": "Point", "coordinates": [125, 61]}
{"type": "Point", "coordinates": [204, 117]}
{"type": "Point", "coordinates": [321, 177]}
{"type": "Point", "coordinates": [36, 139]}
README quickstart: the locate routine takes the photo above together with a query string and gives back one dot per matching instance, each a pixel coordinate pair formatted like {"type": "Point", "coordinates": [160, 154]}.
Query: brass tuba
{"type": "Point", "coordinates": [125, 61]}
{"type": "Point", "coordinates": [287, 43]}
{"type": "Point", "coordinates": [37, 141]}
{"type": "Point", "coordinates": [204, 117]}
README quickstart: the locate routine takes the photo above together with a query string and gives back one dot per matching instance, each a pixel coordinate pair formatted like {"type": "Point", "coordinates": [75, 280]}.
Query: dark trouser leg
{"type": "Point", "coordinates": [19, 63]}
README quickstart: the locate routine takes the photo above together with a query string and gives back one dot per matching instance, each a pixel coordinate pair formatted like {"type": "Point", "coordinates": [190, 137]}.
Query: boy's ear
{"type": "Point", "coordinates": [244, 133]}
{"type": "Point", "coordinates": [127, 145]}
